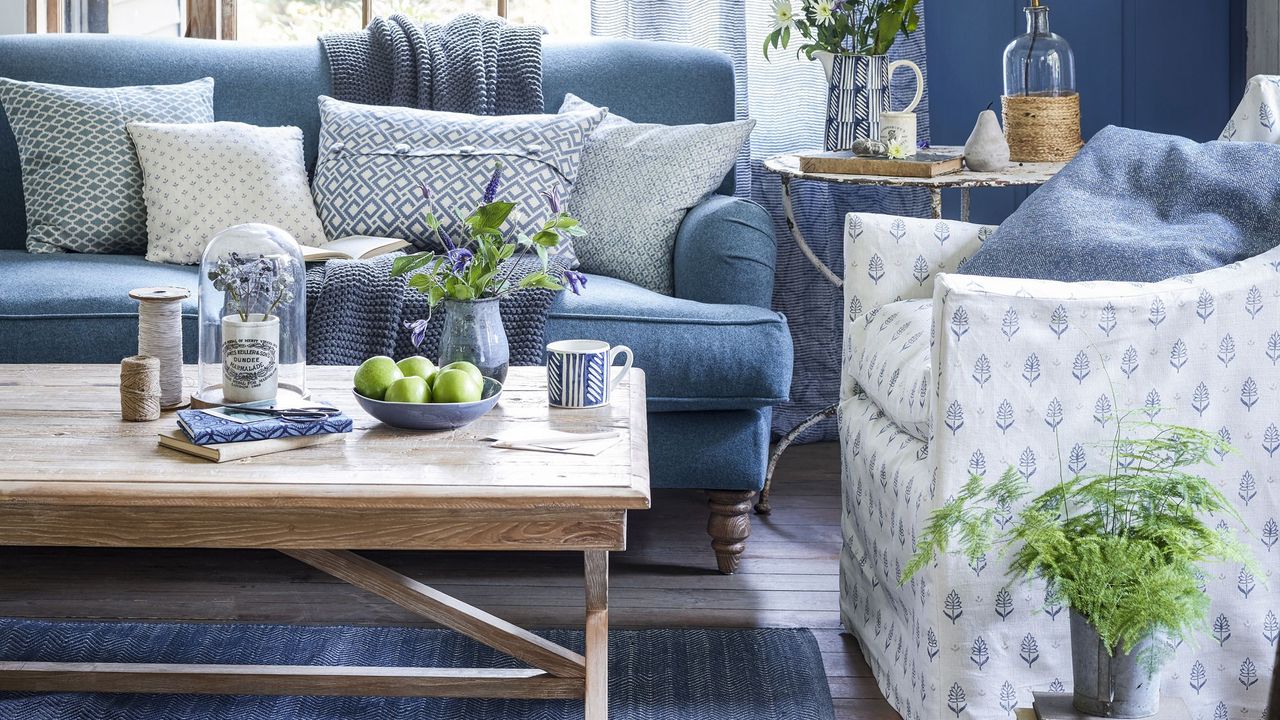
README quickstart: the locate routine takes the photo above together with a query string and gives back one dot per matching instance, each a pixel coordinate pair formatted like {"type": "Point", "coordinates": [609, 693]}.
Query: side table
{"type": "Point", "coordinates": [788, 168]}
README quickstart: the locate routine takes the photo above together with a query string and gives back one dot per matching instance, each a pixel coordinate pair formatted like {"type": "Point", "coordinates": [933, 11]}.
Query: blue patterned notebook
{"type": "Point", "coordinates": [206, 429]}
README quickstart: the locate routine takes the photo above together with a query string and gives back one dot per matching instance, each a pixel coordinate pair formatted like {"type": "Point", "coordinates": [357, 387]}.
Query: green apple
{"type": "Point", "coordinates": [468, 368]}
{"type": "Point", "coordinates": [418, 366]}
{"type": "Point", "coordinates": [412, 389]}
{"type": "Point", "coordinates": [375, 375]}
{"type": "Point", "coordinates": [455, 386]}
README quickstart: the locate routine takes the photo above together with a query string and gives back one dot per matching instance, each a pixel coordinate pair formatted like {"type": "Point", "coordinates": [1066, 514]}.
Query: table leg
{"type": "Point", "coordinates": [596, 564]}
{"type": "Point", "coordinates": [799, 237]}
{"type": "Point", "coordinates": [935, 203]}
{"type": "Point", "coordinates": [964, 204]}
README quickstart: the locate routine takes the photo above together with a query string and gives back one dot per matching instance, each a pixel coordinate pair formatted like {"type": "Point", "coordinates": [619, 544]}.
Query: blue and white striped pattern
{"type": "Point", "coordinates": [857, 94]}
{"type": "Point", "coordinates": [786, 97]}
{"type": "Point", "coordinates": [578, 380]}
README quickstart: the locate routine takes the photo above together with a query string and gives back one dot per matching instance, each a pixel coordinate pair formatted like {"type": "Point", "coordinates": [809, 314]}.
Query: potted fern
{"type": "Point", "coordinates": [1123, 549]}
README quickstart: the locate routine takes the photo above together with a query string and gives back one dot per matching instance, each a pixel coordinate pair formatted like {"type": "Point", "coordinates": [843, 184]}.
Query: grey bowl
{"type": "Point", "coordinates": [432, 416]}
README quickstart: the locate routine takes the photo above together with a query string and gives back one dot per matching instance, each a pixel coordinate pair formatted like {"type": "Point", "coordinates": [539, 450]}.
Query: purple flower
{"type": "Point", "coordinates": [577, 281]}
{"type": "Point", "coordinates": [417, 331]}
{"type": "Point", "coordinates": [552, 197]}
{"type": "Point", "coordinates": [495, 181]}
{"type": "Point", "coordinates": [426, 191]}
{"type": "Point", "coordinates": [444, 238]}
{"type": "Point", "coordinates": [459, 258]}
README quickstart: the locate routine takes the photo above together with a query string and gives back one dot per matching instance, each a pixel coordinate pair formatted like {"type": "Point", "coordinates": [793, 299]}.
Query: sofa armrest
{"type": "Point", "coordinates": [1033, 374]}
{"type": "Point", "coordinates": [725, 253]}
{"type": "Point", "coordinates": [889, 258]}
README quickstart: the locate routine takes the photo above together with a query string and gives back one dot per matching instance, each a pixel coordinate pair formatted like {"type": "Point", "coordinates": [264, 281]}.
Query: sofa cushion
{"type": "Point", "coordinates": [80, 177]}
{"type": "Point", "coordinates": [892, 354]}
{"type": "Point", "coordinates": [202, 178]}
{"type": "Point", "coordinates": [697, 356]}
{"type": "Point", "coordinates": [636, 184]}
{"type": "Point", "coordinates": [374, 163]}
{"type": "Point", "coordinates": [76, 308]}
{"type": "Point", "coordinates": [69, 307]}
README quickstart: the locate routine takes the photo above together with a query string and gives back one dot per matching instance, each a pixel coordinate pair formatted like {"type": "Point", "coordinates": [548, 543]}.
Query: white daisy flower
{"type": "Point", "coordinates": [823, 12]}
{"type": "Point", "coordinates": [783, 15]}
{"type": "Point", "coordinates": [898, 149]}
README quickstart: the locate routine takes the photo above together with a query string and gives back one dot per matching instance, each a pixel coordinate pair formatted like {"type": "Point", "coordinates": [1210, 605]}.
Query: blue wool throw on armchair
{"type": "Point", "coordinates": [1141, 207]}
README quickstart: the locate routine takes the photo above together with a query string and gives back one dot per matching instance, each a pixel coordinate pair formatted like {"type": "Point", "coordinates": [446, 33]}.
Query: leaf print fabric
{"type": "Point", "coordinates": [1255, 118]}
{"type": "Point", "coordinates": [1020, 373]}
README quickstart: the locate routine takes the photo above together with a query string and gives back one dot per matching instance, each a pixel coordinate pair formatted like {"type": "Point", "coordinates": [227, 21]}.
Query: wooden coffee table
{"type": "Point", "coordinates": [73, 474]}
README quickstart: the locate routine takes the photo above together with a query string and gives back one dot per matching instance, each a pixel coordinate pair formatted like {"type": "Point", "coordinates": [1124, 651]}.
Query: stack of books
{"type": "Point", "coordinates": [223, 434]}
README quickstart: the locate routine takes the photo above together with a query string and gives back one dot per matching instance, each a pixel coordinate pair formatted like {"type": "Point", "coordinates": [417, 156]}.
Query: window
{"type": "Point", "coordinates": [125, 17]}
{"type": "Point", "coordinates": [276, 20]}
{"type": "Point", "coordinates": [285, 20]}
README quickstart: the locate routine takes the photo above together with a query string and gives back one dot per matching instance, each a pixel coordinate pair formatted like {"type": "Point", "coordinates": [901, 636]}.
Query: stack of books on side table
{"type": "Point", "coordinates": [225, 433]}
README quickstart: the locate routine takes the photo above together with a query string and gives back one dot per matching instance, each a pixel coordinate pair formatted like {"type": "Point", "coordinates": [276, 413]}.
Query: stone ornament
{"type": "Point", "coordinates": [986, 149]}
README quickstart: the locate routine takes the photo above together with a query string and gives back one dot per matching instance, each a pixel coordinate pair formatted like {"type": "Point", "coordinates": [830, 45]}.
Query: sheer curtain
{"type": "Point", "coordinates": [787, 97]}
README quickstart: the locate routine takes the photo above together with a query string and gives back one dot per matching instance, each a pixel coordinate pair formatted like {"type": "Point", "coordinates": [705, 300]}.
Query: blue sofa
{"type": "Point", "coordinates": [717, 357]}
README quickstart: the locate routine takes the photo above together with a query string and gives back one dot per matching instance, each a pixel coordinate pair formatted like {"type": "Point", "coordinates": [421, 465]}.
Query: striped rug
{"type": "Point", "coordinates": [654, 674]}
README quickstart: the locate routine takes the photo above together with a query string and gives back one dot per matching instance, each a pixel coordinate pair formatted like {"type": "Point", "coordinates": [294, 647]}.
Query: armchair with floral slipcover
{"type": "Point", "coordinates": [945, 375]}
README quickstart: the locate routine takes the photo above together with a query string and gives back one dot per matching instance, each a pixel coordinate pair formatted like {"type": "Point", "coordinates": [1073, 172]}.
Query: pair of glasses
{"type": "Point", "coordinates": [298, 414]}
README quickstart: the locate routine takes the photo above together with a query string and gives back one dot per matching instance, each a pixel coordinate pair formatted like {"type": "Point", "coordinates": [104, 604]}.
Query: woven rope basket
{"type": "Point", "coordinates": [1042, 128]}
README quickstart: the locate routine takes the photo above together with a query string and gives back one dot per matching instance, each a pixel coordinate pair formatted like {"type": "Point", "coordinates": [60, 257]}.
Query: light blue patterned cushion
{"type": "Point", "coordinates": [80, 177]}
{"type": "Point", "coordinates": [636, 185]}
{"type": "Point", "coordinates": [372, 160]}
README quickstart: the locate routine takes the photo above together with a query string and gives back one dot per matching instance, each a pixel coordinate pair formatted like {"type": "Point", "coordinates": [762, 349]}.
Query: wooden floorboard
{"type": "Point", "coordinates": [666, 578]}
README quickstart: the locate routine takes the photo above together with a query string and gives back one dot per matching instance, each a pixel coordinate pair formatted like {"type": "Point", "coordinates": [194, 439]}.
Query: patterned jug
{"type": "Point", "coordinates": [858, 90]}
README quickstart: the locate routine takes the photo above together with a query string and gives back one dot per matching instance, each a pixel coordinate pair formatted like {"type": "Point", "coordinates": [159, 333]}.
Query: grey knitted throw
{"type": "Point", "coordinates": [356, 310]}
{"type": "Point", "coordinates": [471, 64]}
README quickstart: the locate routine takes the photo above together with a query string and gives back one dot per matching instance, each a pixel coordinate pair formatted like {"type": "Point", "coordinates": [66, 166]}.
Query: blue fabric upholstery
{"type": "Point", "coordinates": [725, 253]}
{"type": "Point", "coordinates": [697, 356]}
{"type": "Point", "coordinates": [1136, 206]}
{"type": "Point", "coordinates": [716, 357]}
{"type": "Point", "coordinates": [709, 450]}
{"type": "Point", "coordinates": [66, 307]}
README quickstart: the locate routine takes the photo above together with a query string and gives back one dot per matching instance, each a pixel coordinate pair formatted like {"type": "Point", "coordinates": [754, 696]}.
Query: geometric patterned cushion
{"type": "Point", "coordinates": [203, 178]}
{"type": "Point", "coordinates": [80, 177]}
{"type": "Point", "coordinates": [372, 159]}
{"type": "Point", "coordinates": [635, 186]}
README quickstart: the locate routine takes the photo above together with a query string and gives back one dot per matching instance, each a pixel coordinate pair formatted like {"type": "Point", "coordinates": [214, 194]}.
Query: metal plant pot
{"type": "Point", "coordinates": [1107, 685]}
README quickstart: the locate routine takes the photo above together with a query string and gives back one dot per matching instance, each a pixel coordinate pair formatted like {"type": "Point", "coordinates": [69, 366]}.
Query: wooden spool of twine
{"type": "Point", "coordinates": [1042, 128]}
{"type": "Point", "coordinates": [140, 388]}
{"type": "Point", "coordinates": [160, 337]}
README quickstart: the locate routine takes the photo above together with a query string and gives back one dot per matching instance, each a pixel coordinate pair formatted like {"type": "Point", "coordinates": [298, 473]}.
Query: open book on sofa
{"type": "Point", "coordinates": [353, 247]}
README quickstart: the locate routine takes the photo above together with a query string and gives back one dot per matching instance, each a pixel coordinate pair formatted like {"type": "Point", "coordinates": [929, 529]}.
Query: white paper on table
{"type": "Point", "coordinates": [555, 441]}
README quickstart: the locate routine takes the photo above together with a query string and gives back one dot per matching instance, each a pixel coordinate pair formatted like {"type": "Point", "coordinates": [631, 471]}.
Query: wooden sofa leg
{"type": "Point", "coordinates": [729, 526]}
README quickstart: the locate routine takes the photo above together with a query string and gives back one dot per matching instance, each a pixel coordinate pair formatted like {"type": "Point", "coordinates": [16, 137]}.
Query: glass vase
{"type": "Point", "coordinates": [1039, 63]}
{"type": "Point", "coordinates": [473, 333]}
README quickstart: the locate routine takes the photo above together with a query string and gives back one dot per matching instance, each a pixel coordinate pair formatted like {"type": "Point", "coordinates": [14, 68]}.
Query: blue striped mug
{"type": "Point", "coordinates": [578, 372]}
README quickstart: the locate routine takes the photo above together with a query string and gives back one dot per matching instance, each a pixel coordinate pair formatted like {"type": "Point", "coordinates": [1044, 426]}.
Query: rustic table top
{"type": "Point", "coordinates": [62, 442]}
{"type": "Point", "coordinates": [1015, 175]}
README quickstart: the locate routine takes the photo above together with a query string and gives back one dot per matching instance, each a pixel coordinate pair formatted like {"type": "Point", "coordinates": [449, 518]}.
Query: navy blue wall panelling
{"type": "Point", "coordinates": [1168, 66]}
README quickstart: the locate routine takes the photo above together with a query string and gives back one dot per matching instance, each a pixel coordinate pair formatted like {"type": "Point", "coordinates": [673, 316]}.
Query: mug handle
{"type": "Point", "coordinates": [893, 67]}
{"type": "Point", "coordinates": [617, 377]}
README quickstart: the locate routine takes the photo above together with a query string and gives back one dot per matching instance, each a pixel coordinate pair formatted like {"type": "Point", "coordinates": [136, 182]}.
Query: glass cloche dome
{"type": "Point", "coordinates": [253, 323]}
{"type": "Point", "coordinates": [1039, 62]}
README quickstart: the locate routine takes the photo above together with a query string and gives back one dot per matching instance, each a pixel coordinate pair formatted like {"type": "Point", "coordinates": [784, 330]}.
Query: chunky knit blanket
{"type": "Point", "coordinates": [356, 310]}
{"type": "Point", "coordinates": [471, 64]}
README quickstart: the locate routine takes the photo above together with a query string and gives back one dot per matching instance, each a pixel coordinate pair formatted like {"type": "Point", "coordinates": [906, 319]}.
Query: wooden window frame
{"type": "Point", "coordinates": [217, 18]}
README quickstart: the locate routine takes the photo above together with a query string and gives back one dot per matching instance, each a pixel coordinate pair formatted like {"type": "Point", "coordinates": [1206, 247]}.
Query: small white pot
{"type": "Point", "coordinates": [250, 358]}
